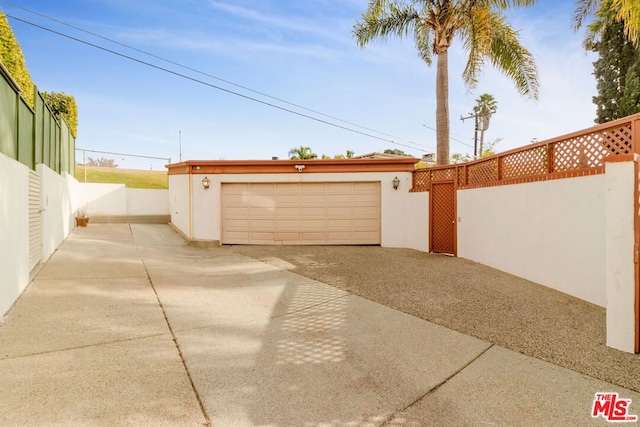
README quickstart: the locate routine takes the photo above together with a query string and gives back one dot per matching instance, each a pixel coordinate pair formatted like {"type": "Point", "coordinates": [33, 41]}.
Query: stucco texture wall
{"type": "Point", "coordinates": [550, 232]}
{"type": "Point", "coordinates": [14, 231]}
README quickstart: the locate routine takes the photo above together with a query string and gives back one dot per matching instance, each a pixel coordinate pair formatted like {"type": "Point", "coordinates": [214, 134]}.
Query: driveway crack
{"type": "Point", "coordinates": [177, 345]}
{"type": "Point", "coordinates": [436, 387]}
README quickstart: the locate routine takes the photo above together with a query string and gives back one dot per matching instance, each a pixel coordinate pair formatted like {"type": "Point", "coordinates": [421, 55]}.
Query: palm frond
{"type": "Point", "coordinates": [629, 13]}
{"type": "Point", "coordinates": [584, 8]}
{"type": "Point", "coordinates": [424, 43]}
{"type": "Point", "coordinates": [384, 19]}
{"type": "Point", "coordinates": [513, 59]}
{"type": "Point", "coordinates": [476, 33]}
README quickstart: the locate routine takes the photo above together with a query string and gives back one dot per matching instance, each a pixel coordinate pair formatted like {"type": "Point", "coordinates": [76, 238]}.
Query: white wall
{"type": "Point", "coordinates": [550, 232]}
{"type": "Point", "coordinates": [417, 221]}
{"type": "Point", "coordinates": [621, 294]}
{"type": "Point", "coordinates": [142, 201]}
{"type": "Point", "coordinates": [14, 231]}
{"type": "Point", "coordinates": [396, 229]}
{"type": "Point", "coordinates": [59, 201]}
{"type": "Point", "coordinates": [179, 205]}
{"type": "Point", "coordinates": [117, 200]}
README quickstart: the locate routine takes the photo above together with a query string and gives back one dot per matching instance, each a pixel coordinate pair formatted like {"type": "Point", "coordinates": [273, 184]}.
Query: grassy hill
{"type": "Point", "coordinates": [132, 178]}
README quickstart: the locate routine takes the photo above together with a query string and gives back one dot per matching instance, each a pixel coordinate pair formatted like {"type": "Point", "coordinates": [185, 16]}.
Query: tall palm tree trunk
{"type": "Point", "coordinates": [442, 108]}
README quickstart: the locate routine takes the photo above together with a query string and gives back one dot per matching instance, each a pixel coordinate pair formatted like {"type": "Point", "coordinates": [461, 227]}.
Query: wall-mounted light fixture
{"type": "Point", "coordinates": [396, 183]}
{"type": "Point", "coordinates": [300, 168]}
{"type": "Point", "coordinates": [206, 183]}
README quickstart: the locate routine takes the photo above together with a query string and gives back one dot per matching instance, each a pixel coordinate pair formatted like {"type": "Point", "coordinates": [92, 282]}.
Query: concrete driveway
{"type": "Point", "coordinates": [125, 325]}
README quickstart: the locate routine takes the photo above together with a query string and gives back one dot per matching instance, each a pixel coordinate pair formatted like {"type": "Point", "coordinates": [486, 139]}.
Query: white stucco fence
{"type": "Point", "coordinates": [117, 200]}
{"type": "Point", "coordinates": [550, 232]}
{"type": "Point", "coordinates": [14, 231]}
{"type": "Point", "coordinates": [61, 196]}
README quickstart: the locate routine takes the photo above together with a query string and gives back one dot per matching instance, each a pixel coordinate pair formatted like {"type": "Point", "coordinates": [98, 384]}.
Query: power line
{"type": "Point", "coordinates": [418, 146]}
{"type": "Point", "coordinates": [450, 137]}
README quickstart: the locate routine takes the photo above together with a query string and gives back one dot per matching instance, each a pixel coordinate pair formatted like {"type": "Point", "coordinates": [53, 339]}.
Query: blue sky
{"type": "Point", "coordinates": [301, 51]}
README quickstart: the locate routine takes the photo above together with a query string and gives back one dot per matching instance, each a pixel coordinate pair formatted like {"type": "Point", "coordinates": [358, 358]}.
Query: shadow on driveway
{"type": "Point", "coordinates": [470, 298]}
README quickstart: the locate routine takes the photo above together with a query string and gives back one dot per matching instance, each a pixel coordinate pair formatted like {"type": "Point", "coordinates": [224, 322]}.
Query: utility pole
{"type": "Point", "coordinates": [180, 143]}
{"type": "Point", "coordinates": [479, 127]}
{"type": "Point", "coordinates": [475, 132]}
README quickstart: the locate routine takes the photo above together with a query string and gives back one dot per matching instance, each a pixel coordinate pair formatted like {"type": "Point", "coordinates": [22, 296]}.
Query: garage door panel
{"type": "Point", "coordinates": [263, 201]}
{"type": "Point", "coordinates": [301, 213]}
{"type": "Point", "coordinates": [338, 212]}
{"type": "Point", "coordinates": [237, 212]}
{"type": "Point", "coordinates": [320, 212]}
{"type": "Point", "coordinates": [315, 187]}
{"type": "Point", "coordinates": [364, 224]}
{"type": "Point", "coordinates": [260, 235]}
{"type": "Point", "coordinates": [370, 199]}
{"type": "Point", "coordinates": [238, 223]}
{"type": "Point", "coordinates": [288, 200]}
{"type": "Point", "coordinates": [340, 224]}
{"type": "Point", "coordinates": [262, 212]}
{"type": "Point", "coordinates": [345, 199]}
{"type": "Point", "coordinates": [314, 200]}
{"type": "Point", "coordinates": [268, 188]}
{"type": "Point", "coordinates": [314, 223]}
{"type": "Point", "coordinates": [287, 212]}
{"type": "Point", "coordinates": [262, 224]}
{"type": "Point", "coordinates": [365, 211]}
{"type": "Point", "coordinates": [288, 224]}
{"type": "Point", "coordinates": [340, 187]}
{"type": "Point", "coordinates": [367, 187]}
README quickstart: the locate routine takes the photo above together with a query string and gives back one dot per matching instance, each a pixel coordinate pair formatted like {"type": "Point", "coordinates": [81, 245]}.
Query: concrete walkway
{"type": "Point", "coordinates": [125, 325]}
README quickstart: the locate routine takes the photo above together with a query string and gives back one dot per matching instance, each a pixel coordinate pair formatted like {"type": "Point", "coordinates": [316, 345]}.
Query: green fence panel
{"type": "Point", "coordinates": [65, 137]}
{"type": "Point", "coordinates": [25, 135]}
{"type": "Point", "coordinates": [46, 139]}
{"type": "Point", "coordinates": [33, 136]}
{"type": "Point", "coordinates": [38, 128]}
{"type": "Point", "coordinates": [8, 120]}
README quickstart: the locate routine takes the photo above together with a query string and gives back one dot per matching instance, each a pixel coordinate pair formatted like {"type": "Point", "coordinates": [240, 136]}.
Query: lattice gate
{"type": "Point", "coordinates": [443, 217]}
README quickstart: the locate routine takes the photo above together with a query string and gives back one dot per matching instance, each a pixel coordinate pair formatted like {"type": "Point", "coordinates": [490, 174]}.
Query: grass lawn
{"type": "Point", "coordinates": [132, 178]}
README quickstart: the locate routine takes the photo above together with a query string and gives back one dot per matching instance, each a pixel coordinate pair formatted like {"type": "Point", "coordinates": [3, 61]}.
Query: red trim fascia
{"type": "Point", "coordinates": [212, 167]}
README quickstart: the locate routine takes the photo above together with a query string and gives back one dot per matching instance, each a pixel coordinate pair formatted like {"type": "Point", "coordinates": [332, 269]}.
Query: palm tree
{"type": "Point", "coordinates": [486, 105]}
{"type": "Point", "coordinates": [627, 11]}
{"type": "Point", "coordinates": [434, 23]}
{"type": "Point", "coordinates": [301, 153]}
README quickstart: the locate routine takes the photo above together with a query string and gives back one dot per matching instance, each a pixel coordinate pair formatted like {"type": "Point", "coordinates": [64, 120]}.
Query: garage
{"type": "Point", "coordinates": [301, 213]}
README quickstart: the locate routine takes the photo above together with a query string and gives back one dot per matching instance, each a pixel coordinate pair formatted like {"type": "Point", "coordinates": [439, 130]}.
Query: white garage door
{"type": "Point", "coordinates": [324, 213]}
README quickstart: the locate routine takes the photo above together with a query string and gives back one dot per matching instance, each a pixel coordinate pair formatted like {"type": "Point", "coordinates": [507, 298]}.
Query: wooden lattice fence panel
{"type": "Point", "coordinates": [483, 172]}
{"type": "Point", "coordinates": [576, 154]}
{"type": "Point", "coordinates": [421, 179]}
{"type": "Point", "coordinates": [524, 163]}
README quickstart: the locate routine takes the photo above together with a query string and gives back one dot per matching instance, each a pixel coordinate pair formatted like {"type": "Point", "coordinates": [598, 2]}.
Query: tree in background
{"type": "Point", "coordinates": [489, 150]}
{"type": "Point", "coordinates": [486, 105]}
{"type": "Point", "coordinates": [63, 106]}
{"type": "Point", "coordinates": [625, 11]}
{"type": "Point", "coordinates": [102, 162]}
{"type": "Point", "coordinates": [630, 101]}
{"type": "Point", "coordinates": [301, 153]}
{"type": "Point", "coordinates": [616, 55]}
{"type": "Point", "coordinates": [395, 151]}
{"type": "Point", "coordinates": [13, 59]}
{"type": "Point", "coordinates": [434, 24]}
